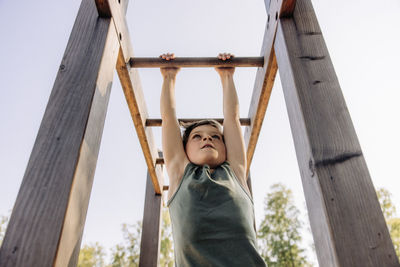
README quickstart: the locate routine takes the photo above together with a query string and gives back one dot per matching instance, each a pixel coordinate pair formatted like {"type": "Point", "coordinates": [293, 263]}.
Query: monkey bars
{"type": "Point", "coordinates": [46, 225]}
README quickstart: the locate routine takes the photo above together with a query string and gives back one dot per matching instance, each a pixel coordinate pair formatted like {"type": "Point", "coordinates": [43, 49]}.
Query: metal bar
{"type": "Point", "coordinates": [157, 122]}
{"type": "Point", "coordinates": [195, 62]}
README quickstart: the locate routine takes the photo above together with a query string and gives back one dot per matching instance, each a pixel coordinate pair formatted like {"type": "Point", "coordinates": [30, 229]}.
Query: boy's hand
{"type": "Point", "coordinates": [168, 71]}
{"type": "Point", "coordinates": [223, 71]}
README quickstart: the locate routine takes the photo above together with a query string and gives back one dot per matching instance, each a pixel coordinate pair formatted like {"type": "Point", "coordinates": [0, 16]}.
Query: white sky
{"type": "Point", "coordinates": [362, 38]}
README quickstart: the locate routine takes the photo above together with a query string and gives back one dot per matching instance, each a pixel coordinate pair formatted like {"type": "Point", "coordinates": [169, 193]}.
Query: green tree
{"type": "Point", "coordinates": [128, 253]}
{"type": "Point", "coordinates": [166, 246]}
{"type": "Point", "coordinates": [387, 206]}
{"type": "Point", "coordinates": [389, 212]}
{"type": "Point", "coordinates": [3, 226]}
{"type": "Point", "coordinates": [91, 256]}
{"type": "Point", "coordinates": [279, 232]}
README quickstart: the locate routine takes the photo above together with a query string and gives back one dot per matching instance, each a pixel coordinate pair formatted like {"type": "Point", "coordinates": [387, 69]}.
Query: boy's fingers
{"type": "Point", "coordinates": [225, 56]}
{"type": "Point", "coordinates": [167, 56]}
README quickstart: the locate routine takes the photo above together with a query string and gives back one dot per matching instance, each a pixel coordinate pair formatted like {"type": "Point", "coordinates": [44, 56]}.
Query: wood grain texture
{"type": "Point", "coordinates": [74, 222]}
{"type": "Point", "coordinates": [118, 11]}
{"type": "Point", "coordinates": [265, 78]}
{"type": "Point", "coordinates": [195, 62]}
{"type": "Point", "coordinates": [151, 229]}
{"type": "Point", "coordinates": [131, 85]}
{"type": "Point", "coordinates": [346, 220]}
{"type": "Point", "coordinates": [157, 122]}
{"type": "Point", "coordinates": [37, 220]}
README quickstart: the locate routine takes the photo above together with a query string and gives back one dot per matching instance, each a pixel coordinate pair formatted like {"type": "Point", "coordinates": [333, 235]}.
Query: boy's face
{"type": "Point", "coordinates": [206, 146]}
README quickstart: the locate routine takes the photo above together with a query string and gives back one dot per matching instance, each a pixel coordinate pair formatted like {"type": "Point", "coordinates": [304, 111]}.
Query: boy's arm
{"type": "Point", "coordinates": [234, 141]}
{"type": "Point", "coordinates": [173, 151]}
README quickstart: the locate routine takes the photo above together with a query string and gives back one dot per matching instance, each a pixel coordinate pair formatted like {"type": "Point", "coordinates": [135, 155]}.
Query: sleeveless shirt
{"type": "Point", "coordinates": [212, 219]}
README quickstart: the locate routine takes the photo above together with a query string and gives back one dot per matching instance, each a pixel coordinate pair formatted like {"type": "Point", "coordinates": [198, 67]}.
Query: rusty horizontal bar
{"type": "Point", "coordinates": [157, 122]}
{"type": "Point", "coordinates": [195, 62]}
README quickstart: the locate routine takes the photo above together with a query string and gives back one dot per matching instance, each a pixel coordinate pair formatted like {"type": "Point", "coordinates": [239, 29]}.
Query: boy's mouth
{"type": "Point", "coordinates": [207, 145]}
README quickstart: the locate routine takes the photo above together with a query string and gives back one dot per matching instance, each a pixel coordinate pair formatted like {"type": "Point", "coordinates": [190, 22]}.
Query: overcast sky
{"type": "Point", "coordinates": [362, 38]}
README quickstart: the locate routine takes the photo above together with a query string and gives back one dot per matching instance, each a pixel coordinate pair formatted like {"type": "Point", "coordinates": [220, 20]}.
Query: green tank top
{"type": "Point", "coordinates": [212, 220]}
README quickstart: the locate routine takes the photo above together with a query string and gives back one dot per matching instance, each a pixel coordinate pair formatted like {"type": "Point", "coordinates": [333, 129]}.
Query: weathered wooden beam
{"type": "Point", "coordinates": [158, 122]}
{"type": "Point", "coordinates": [134, 96]}
{"type": "Point", "coordinates": [131, 85]}
{"type": "Point", "coordinates": [151, 227]}
{"type": "Point", "coordinates": [346, 220]}
{"type": "Point", "coordinates": [265, 76]}
{"type": "Point", "coordinates": [74, 222]}
{"type": "Point", "coordinates": [47, 221]}
{"type": "Point", "coordinates": [195, 62]}
{"type": "Point", "coordinates": [118, 10]}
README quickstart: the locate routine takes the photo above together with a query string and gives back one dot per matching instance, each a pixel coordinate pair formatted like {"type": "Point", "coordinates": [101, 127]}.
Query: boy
{"type": "Point", "coordinates": [210, 205]}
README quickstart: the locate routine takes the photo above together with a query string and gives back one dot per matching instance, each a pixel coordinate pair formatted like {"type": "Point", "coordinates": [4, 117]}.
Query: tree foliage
{"type": "Point", "coordinates": [91, 256]}
{"type": "Point", "coordinates": [387, 206]}
{"type": "Point", "coordinates": [279, 232]}
{"type": "Point", "coordinates": [166, 246]}
{"type": "Point", "coordinates": [127, 254]}
{"type": "Point", "coordinates": [3, 226]}
{"type": "Point", "coordinates": [389, 212]}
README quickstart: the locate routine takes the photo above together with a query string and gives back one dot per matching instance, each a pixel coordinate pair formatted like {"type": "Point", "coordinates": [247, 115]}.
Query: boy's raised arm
{"type": "Point", "coordinates": [234, 140]}
{"type": "Point", "coordinates": [174, 153]}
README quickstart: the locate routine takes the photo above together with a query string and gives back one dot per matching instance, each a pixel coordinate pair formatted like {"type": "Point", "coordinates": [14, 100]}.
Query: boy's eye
{"type": "Point", "coordinates": [216, 137]}
{"type": "Point", "coordinates": [196, 136]}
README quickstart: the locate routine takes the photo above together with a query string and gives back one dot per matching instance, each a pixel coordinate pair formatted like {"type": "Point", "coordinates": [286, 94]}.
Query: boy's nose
{"type": "Point", "coordinates": [207, 138]}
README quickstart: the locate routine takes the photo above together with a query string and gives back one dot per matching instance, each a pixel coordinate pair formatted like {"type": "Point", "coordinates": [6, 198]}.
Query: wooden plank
{"type": "Point", "coordinates": [346, 220]}
{"type": "Point", "coordinates": [69, 245]}
{"type": "Point", "coordinates": [118, 10]}
{"type": "Point", "coordinates": [265, 77]}
{"type": "Point", "coordinates": [131, 85]}
{"type": "Point", "coordinates": [157, 122]}
{"type": "Point", "coordinates": [151, 227]}
{"type": "Point", "coordinates": [195, 62]}
{"type": "Point", "coordinates": [134, 96]}
{"type": "Point", "coordinates": [34, 232]}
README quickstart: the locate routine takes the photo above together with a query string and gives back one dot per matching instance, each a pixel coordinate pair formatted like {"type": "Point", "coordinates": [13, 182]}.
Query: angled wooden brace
{"type": "Point", "coordinates": [265, 76]}
{"type": "Point", "coordinates": [132, 87]}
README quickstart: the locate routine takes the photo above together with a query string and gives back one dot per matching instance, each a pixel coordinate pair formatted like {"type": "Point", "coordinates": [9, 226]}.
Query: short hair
{"type": "Point", "coordinates": [188, 128]}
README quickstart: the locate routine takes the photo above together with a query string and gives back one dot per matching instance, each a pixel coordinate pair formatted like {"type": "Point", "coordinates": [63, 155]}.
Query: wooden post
{"type": "Point", "coordinates": [347, 222]}
{"type": "Point", "coordinates": [151, 227]}
{"type": "Point", "coordinates": [47, 221]}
